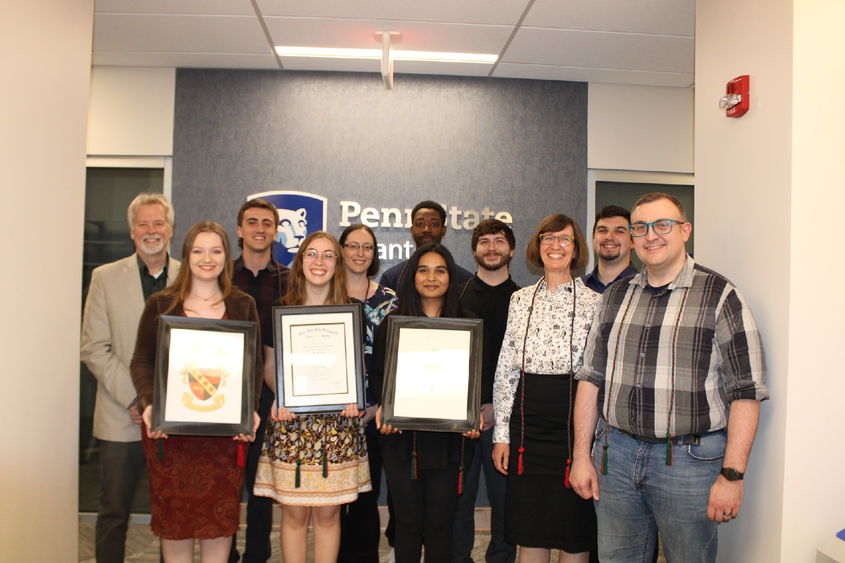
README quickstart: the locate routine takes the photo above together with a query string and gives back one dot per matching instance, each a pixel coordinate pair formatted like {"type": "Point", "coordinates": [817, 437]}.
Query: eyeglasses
{"type": "Point", "coordinates": [328, 255]}
{"type": "Point", "coordinates": [660, 227]}
{"type": "Point", "coordinates": [564, 240]}
{"type": "Point", "coordinates": [356, 246]}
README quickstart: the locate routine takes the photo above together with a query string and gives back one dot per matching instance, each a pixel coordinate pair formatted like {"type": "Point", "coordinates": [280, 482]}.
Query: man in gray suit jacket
{"type": "Point", "coordinates": [113, 309]}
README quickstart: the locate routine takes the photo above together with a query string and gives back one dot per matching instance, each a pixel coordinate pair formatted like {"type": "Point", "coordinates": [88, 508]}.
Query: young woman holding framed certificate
{"type": "Point", "coordinates": [312, 464]}
{"type": "Point", "coordinates": [423, 468]}
{"type": "Point", "coordinates": [196, 481]}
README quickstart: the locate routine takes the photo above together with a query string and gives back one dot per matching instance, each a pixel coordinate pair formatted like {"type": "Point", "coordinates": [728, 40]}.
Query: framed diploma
{"type": "Point", "coordinates": [432, 374]}
{"type": "Point", "coordinates": [319, 357]}
{"type": "Point", "coordinates": [204, 377]}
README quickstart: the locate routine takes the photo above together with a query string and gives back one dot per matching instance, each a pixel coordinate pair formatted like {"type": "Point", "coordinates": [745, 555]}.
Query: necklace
{"type": "Point", "coordinates": [522, 380]}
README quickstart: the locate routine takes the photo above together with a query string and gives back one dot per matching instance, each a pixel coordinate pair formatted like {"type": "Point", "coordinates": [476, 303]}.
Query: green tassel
{"type": "Point", "coordinates": [604, 457]}
{"type": "Point", "coordinates": [668, 449]}
{"type": "Point", "coordinates": [296, 481]}
{"type": "Point", "coordinates": [325, 466]}
{"type": "Point", "coordinates": [160, 450]}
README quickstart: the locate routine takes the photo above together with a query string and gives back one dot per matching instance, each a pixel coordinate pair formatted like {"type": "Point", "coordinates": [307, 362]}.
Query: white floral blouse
{"type": "Point", "coordinates": [547, 346]}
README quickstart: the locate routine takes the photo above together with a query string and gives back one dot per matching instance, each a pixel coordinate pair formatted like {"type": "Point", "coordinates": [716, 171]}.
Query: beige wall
{"type": "Point", "coordinates": [131, 111]}
{"type": "Point", "coordinates": [762, 182]}
{"type": "Point", "coordinates": [45, 54]}
{"type": "Point", "coordinates": [640, 128]}
{"type": "Point", "coordinates": [814, 489]}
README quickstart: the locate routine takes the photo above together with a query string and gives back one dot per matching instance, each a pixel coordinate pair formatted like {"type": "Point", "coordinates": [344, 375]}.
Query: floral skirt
{"type": "Point", "coordinates": [316, 460]}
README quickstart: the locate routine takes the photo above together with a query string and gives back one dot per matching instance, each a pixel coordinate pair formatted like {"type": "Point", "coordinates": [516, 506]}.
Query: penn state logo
{"type": "Point", "coordinates": [300, 213]}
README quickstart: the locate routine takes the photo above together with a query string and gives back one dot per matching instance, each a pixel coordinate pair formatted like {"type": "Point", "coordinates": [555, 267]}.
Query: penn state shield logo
{"type": "Point", "coordinates": [300, 213]}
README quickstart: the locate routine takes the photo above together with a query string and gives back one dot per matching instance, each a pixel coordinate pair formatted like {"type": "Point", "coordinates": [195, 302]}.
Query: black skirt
{"type": "Point", "coordinates": [539, 510]}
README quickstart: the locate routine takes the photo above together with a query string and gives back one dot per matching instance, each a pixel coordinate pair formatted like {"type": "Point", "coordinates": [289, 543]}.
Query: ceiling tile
{"type": "Point", "coordinates": [501, 12]}
{"type": "Point", "coordinates": [153, 33]}
{"type": "Point", "coordinates": [212, 7]}
{"type": "Point", "coordinates": [545, 72]}
{"type": "Point", "coordinates": [662, 17]}
{"type": "Point", "coordinates": [602, 50]}
{"type": "Point", "coordinates": [414, 35]}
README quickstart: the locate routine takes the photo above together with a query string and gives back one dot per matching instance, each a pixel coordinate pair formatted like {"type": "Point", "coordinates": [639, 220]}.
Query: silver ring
{"type": "Point", "coordinates": [727, 514]}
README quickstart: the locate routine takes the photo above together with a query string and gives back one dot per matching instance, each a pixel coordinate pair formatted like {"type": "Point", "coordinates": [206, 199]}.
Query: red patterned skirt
{"type": "Point", "coordinates": [195, 486]}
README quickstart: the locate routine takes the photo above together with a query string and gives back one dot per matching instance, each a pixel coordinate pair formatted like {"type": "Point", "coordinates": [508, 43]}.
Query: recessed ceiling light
{"type": "Point", "coordinates": [398, 55]}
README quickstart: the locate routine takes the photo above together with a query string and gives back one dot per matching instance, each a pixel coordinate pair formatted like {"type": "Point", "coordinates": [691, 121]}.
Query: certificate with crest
{"type": "Point", "coordinates": [432, 375]}
{"type": "Point", "coordinates": [205, 377]}
{"type": "Point", "coordinates": [319, 357]}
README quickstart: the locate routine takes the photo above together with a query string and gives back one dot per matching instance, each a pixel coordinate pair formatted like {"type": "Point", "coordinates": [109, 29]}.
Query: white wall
{"type": "Point", "coordinates": [814, 490]}
{"type": "Point", "coordinates": [45, 54]}
{"type": "Point", "coordinates": [640, 128]}
{"type": "Point", "coordinates": [131, 111]}
{"type": "Point", "coordinates": [764, 181]}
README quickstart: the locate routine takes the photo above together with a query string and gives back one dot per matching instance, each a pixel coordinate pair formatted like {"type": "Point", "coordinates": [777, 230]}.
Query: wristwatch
{"type": "Point", "coordinates": [732, 474]}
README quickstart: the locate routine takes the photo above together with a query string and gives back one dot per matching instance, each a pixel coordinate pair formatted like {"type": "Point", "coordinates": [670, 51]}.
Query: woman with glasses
{"type": "Point", "coordinates": [423, 469]}
{"type": "Point", "coordinates": [359, 520]}
{"type": "Point", "coordinates": [533, 396]}
{"type": "Point", "coordinates": [195, 481]}
{"type": "Point", "coordinates": [312, 464]}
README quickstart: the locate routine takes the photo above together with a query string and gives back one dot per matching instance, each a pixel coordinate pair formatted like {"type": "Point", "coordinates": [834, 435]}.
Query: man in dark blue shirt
{"type": "Point", "coordinates": [612, 244]}
{"type": "Point", "coordinates": [428, 224]}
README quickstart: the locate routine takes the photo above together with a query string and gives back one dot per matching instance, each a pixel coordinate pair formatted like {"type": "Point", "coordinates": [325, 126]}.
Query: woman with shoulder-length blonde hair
{"type": "Point", "coordinates": [312, 464]}
{"type": "Point", "coordinates": [183, 507]}
{"type": "Point", "coordinates": [533, 396]}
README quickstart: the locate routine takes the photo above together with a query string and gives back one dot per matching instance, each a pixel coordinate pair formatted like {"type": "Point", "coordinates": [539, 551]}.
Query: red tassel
{"type": "Point", "coordinates": [241, 455]}
{"type": "Point", "coordinates": [520, 464]}
{"type": "Point", "coordinates": [566, 474]}
{"type": "Point", "coordinates": [461, 480]}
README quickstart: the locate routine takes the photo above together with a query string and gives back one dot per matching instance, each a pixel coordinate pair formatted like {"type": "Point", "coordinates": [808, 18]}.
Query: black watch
{"type": "Point", "coordinates": [732, 474]}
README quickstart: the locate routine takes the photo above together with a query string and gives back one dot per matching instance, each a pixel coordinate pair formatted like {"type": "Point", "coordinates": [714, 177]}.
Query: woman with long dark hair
{"type": "Point", "coordinates": [312, 464]}
{"type": "Point", "coordinates": [533, 395]}
{"type": "Point", "coordinates": [359, 520]}
{"type": "Point", "coordinates": [195, 481]}
{"type": "Point", "coordinates": [423, 468]}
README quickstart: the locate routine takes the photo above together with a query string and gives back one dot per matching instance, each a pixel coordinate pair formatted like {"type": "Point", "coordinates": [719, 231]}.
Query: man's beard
{"type": "Point", "coordinates": [504, 261]}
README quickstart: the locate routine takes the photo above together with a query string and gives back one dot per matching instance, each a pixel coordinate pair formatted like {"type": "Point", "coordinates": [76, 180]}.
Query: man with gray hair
{"type": "Point", "coordinates": [113, 309]}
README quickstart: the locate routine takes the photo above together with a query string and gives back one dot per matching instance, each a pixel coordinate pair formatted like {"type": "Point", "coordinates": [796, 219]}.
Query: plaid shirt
{"type": "Point", "coordinates": [269, 286]}
{"type": "Point", "coordinates": [696, 336]}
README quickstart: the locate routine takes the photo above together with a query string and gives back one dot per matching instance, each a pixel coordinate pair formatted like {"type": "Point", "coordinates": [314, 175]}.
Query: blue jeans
{"type": "Point", "coordinates": [641, 494]}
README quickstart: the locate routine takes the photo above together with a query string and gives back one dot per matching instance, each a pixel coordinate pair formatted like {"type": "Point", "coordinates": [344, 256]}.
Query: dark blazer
{"type": "Point", "coordinates": [239, 307]}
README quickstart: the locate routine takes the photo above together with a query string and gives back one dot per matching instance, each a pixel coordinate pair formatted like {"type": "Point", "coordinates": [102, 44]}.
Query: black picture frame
{"type": "Point", "coordinates": [404, 328]}
{"type": "Point", "coordinates": [186, 349]}
{"type": "Point", "coordinates": [305, 384]}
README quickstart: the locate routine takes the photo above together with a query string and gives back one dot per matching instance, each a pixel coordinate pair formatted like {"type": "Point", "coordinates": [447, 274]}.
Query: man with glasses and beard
{"type": "Point", "coordinates": [487, 295]}
{"type": "Point", "coordinates": [673, 374]}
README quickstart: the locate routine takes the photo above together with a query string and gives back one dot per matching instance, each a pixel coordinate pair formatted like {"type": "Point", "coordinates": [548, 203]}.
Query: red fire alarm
{"type": "Point", "coordinates": [736, 100]}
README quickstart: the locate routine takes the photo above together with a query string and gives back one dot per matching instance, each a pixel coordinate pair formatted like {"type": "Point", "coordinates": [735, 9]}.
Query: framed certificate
{"type": "Point", "coordinates": [204, 377]}
{"type": "Point", "coordinates": [319, 357]}
{"type": "Point", "coordinates": [432, 375]}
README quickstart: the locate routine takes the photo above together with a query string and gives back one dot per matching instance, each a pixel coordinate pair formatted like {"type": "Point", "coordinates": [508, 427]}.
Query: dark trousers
{"type": "Point", "coordinates": [498, 551]}
{"type": "Point", "coordinates": [259, 510]}
{"type": "Point", "coordinates": [424, 510]}
{"type": "Point", "coordinates": [120, 465]}
{"type": "Point", "coordinates": [359, 520]}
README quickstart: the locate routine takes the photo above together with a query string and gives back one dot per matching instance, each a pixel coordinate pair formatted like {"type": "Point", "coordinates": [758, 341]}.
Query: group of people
{"type": "Point", "coordinates": [614, 406]}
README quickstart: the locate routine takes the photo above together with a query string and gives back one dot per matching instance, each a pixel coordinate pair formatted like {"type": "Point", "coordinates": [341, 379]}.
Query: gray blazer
{"type": "Point", "coordinates": [109, 327]}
